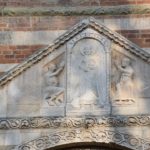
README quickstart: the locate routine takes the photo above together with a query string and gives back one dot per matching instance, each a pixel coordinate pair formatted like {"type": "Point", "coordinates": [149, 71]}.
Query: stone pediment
{"type": "Point", "coordinates": [84, 24]}
{"type": "Point", "coordinates": [85, 71]}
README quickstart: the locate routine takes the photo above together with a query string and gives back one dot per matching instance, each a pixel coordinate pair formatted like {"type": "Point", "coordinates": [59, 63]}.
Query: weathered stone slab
{"type": "Point", "coordinates": [89, 70]}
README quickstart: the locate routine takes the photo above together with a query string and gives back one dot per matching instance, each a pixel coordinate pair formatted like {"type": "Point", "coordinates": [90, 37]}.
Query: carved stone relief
{"type": "Point", "coordinates": [87, 62]}
{"type": "Point", "coordinates": [83, 88]}
{"type": "Point", "coordinates": [125, 85]}
{"type": "Point", "coordinates": [53, 92]}
{"type": "Point", "coordinates": [89, 135]}
{"type": "Point", "coordinates": [89, 91]}
{"type": "Point", "coordinates": [67, 122]}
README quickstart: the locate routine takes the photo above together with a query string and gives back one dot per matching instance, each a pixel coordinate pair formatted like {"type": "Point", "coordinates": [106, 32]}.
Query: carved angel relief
{"type": "Point", "coordinates": [53, 91]}
{"type": "Point", "coordinates": [123, 80]}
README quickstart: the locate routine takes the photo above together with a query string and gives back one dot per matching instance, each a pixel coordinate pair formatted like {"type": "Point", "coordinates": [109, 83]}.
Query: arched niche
{"type": "Point", "coordinates": [88, 71]}
{"type": "Point", "coordinates": [89, 146]}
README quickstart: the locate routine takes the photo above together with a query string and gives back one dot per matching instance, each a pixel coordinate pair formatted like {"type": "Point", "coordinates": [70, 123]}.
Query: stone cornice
{"type": "Point", "coordinates": [66, 122]}
{"type": "Point", "coordinates": [86, 23]}
{"type": "Point", "coordinates": [65, 11]}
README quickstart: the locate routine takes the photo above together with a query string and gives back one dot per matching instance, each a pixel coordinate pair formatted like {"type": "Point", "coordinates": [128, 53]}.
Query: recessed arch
{"type": "Point", "coordinates": [89, 146]}
{"type": "Point", "coordinates": [81, 136]}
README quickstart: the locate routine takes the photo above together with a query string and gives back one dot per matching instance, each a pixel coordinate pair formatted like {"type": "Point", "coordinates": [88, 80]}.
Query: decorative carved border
{"type": "Point", "coordinates": [90, 135]}
{"type": "Point", "coordinates": [65, 11]}
{"type": "Point", "coordinates": [60, 122]}
{"type": "Point", "coordinates": [91, 23]}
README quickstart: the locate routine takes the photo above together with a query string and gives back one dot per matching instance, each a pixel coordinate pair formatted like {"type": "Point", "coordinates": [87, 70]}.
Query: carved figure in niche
{"type": "Point", "coordinates": [52, 90]}
{"type": "Point", "coordinates": [89, 88]}
{"type": "Point", "coordinates": [124, 88]}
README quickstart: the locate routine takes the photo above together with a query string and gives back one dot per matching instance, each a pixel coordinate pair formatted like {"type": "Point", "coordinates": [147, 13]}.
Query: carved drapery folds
{"type": "Point", "coordinates": [125, 86]}
{"type": "Point", "coordinates": [88, 92]}
{"type": "Point", "coordinates": [87, 85]}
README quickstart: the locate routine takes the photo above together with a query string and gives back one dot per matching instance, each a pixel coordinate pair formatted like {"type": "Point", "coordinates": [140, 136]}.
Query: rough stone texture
{"type": "Point", "coordinates": [64, 11]}
{"type": "Point", "coordinates": [6, 67]}
{"type": "Point", "coordinates": [29, 38]}
{"type": "Point", "coordinates": [52, 3]}
{"type": "Point", "coordinates": [79, 86]}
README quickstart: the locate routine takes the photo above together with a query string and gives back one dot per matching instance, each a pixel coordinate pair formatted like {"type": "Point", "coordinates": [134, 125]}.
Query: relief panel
{"type": "Point", "coordinates": [86, 71]}
{"type": "Point", "coordinates": [53, 91]}
{"type": "Point", "coordinates": [123, 77]}
{"type": "Point", "coordinates": [88, 74]}
{"type": "Point", "coordinates": [126, 82]}
{"type": "Point", "coordinates": [53, 87]}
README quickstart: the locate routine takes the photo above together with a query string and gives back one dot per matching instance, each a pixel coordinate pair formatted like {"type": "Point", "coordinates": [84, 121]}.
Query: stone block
{"type": "Point", "coordinates": [52, 111]}
{"type": "Point", "coordinates": [125, 110]}
{"type": "Point", "coordinates": [13, 137]}
{"type": "Point", "coordinates": [23, 110]}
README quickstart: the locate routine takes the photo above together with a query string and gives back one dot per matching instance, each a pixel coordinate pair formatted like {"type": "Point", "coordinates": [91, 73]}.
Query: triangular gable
{"type": "Point", "coordinates": [86, 23]}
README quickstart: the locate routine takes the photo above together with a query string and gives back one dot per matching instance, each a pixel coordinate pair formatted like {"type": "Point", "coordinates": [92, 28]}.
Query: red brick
{"type": "Point", "coordinates": [20, 56]}
{"type": "Point", "coordinates": [147, 40]}
{"type": "Point", "coordinates": [9, 56]}
{"type": "Point", "coordinates": [12, 47]}
{"type": "Point", "coordinates": [145, 35]}
{"type": "Point", "coordinates": [4, 47]}
{"type": "Point", "coordinates": [7, 52]}
{"type": "Point", "coordinates": [138, 41]}
{"type": "Point", "coordinates": [3, 25]}
{"type": "Point", "coordinates": [22, 47]}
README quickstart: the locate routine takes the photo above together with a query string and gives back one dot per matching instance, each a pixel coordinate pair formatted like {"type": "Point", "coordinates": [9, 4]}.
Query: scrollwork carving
{"type": "Point", "coordinates": [89, 135]}
{"type": "Point", "coordinates": [49, 122]}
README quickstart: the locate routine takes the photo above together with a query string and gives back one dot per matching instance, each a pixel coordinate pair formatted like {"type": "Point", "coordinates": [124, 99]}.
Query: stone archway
{"type": "Point", "coordinates": [105, 138]}
{"type": "Point", "coordinates": [90, 146]}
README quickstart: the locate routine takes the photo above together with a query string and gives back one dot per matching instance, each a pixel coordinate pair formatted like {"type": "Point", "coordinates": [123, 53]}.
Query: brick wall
{"type": "Point", "coordinates": [16, 53]}
{"type": "Point", "coordinates": [135, 27]}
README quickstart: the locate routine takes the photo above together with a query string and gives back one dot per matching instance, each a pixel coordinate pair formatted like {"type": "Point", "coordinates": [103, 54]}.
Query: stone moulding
{"type": "Point", "coordinates": [60, 122]}
{"type": "Point", "coordinates": [84, 24]}
{"type": "Point", "coordinates": [68, 11]}
{"type": "Point", "coordinates": [89, 135]}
